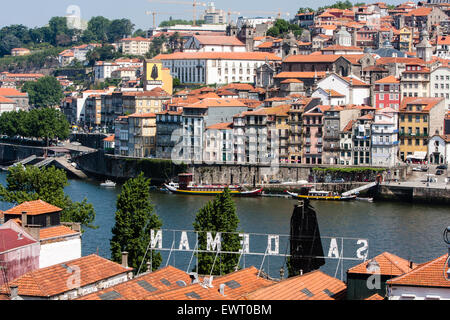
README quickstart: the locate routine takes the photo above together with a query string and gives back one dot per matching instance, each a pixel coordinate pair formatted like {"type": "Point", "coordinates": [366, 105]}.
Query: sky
{"type": "Point", "coordinates": [35, 13]}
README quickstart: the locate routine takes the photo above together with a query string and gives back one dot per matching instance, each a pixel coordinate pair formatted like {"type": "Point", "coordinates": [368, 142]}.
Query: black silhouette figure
{"type": "Point", "coordinates": [154, 74]}
{"type": "Point", "coordinates": [305, 242]}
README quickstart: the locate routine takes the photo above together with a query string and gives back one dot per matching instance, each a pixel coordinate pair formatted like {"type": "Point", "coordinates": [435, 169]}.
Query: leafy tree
{"type": "Point", "coordinates": [47, 184]}
{"type": "Point", "coordinates": [171, 22]}
{"type": "Point", "coordinates": [140, 33]}
{"type": "Point", "coordinates": [134, 220]}
{"type": "Point", "coordinates": [45, 92]}
{"type": "Point", "coordinates": [99, 26]}
{"type": "Point", "coordinates": [119, 29]}
{"type": "Point", "coordinates": [43, 123]}
{"type": "Point", "coordinates": [218, 216]}
{"type": "Point", "coordinates": [59, 31]}
{"type": "Point", "coordinates": [282, 27]}
{"type": "Point", "coordinates": [106, 52]}
{"type": "Point", "coordinates": [304, 10]}
{"type": "Point", "coordinates": [9, 42]}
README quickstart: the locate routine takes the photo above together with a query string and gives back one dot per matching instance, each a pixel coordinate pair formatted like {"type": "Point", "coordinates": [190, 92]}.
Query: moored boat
{"type": "Point", "coordinates": [108, 184]}
{"type": "Point", "coordinates": [321, 195]}
{"type": "Point", "coordinates": [186, 186]}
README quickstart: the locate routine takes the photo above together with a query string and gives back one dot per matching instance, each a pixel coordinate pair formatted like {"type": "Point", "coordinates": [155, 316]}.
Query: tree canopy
{"type": "Point", "coordinates": [45, 92]}
{"type": "Point", "coordinates": [218, 216]}
{"type": "Point", "coordinates": [133, 221]}
{"type": "Point", "coordinates": [47, 184]}
{"type": "Point", "coordinates": [281, 27]}
{"type": "Point", "coordinates": [42, 123]}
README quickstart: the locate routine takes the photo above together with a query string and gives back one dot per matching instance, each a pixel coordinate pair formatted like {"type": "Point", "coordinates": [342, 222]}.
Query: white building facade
{"type": "Point", "coordinates": [440, 84]}
{"type": "Point", "coordinates": [385, 138]}
{"type": "Point", "coordinates": [215, 67]}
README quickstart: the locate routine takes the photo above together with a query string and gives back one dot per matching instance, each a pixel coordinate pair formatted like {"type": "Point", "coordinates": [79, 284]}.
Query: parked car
{"type": "Point", "coordinates": [424, 169]}
{"type": "Point", "coordinates": [439, 172]}
{"type": "Point", "coordinates": [417, 168]}
{"type": "Point", "coordinates": [442, 166]}
{"type": "Point", "coordinates": [340, 180]}
{"type": "Point", "coordinates": [274, 181]}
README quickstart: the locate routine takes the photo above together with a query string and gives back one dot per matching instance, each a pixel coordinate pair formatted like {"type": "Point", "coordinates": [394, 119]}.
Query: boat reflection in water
{"type": "Point", "coordinates": [186, 186]}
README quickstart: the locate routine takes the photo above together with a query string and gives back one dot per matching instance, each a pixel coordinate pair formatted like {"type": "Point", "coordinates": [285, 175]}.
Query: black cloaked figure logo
{"type": "Point", "coordinates": [305, 242]}
{"type": "Point", "coordinates": [154, 74]}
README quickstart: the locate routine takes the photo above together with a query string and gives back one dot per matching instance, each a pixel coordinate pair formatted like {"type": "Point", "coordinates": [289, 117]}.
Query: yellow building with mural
{"type": "Point", "coordinates": [157, 76]}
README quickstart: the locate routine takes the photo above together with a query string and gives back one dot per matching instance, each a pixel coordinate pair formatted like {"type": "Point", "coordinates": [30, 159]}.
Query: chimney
{"type": "Point", "coordinates": [194, 277]}
{"type": "Point", "coordinates": [410, 264]}
{"type": "Point", "coordinates": [125, 259]}
{"type": "Point", "coordinates": [222, 289]}
{"type": "Point", "coordinates": [14, 291]}
{"type": "Point", "coordinates": [24, 219]}
{"type": "Point", "coordinates": [149, 267]}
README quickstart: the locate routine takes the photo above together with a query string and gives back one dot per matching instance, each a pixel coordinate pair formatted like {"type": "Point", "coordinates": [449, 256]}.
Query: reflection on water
{"type": "Point", "coordinates": [412, 231]}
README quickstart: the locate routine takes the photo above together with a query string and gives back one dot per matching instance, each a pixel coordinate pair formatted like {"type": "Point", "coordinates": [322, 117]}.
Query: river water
{"type": "Point", "coordinates": [411, 231]}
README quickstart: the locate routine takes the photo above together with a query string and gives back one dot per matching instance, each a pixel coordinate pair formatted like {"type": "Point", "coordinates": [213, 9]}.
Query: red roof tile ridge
{"type": "Point", "coordinates": [418, 269]}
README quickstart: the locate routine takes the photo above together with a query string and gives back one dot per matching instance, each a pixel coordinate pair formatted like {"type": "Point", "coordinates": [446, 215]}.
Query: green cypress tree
{"type": "Point", "coordinates": [134, 220]}
{"type": "Point", "coordinates": [218, 216]}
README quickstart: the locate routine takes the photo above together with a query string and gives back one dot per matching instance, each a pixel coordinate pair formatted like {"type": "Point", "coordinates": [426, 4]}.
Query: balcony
{"type": "Point", "coordinates": [331, 136]}
{"type": "Point", "coordinates": [331, 149]}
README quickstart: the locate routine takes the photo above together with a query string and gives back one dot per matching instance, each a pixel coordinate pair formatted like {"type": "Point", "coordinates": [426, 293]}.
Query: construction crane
{"type": "Point", "coordinates": [194, 4]}
{"type": "Point", "coordinates": [154, 14]}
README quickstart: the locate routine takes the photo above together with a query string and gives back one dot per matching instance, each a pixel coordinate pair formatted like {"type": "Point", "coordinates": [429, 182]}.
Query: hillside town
{"type": "Point", "coordinates": [362, 92]}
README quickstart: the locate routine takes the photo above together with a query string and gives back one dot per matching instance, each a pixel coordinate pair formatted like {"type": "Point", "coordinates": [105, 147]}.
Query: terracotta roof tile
{"type": "Point", "coordinates": [389, 264]}
{"type": "Point", "coordinates": [376, 296]}
{"type": "Point", "coordinates": [237, 284]}
{"type": "Point", "coordinates": [388, 79]}
{"type": "Point", "coordinates": [429, 274]}
{"type": "Point", "coordinates": [146, 285]}
{"type": "Point", "coordinates": [35, 207]}
{"type": "Point", "coordinates": [314, 285]}
{"type": "Point", "coordinates": [300, 74]}
{"type": "Point", "coordinates": [53, 280]}
{"type": "Point", "coordinates": [56, 231]}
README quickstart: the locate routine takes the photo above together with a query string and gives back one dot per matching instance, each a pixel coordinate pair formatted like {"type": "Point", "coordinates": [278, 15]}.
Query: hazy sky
{"type": "Point", "coordinates": [34, 13]}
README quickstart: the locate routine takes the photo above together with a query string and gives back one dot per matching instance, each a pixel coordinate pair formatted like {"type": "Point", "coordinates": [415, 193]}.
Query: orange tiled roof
{"type": "Point", "coordinates": [389, 263]}
{"type": "Point", "coordinates": [237, 284]}
{"type": "Point", "coordinates": [110, 138]}
{"type": "Point", "coordinates": [291, 81]}
{"type": "Point", "coordinates": [143, 286]}
{"type": "Point", "coordinates": [54, 280]}
{"type": "Point", "coordinates": [238, 86]}
{"type": "Point", "coordinates": [8, 92]}
{"type": "Point", "coordinates": [5, 100]}
{"type": "Point", "coordinates": [219, 40]}
{"type": "Point", "coordinates": [56, 231]}
{"type": "Point", "coordinates": [429, 274]}
{"type": "Point", "coordinates": [349, 126]}
{"type": "Point", "coordinates": [35, 207]}
{"type": "Point", "coordinates": [376, 296]}
{"type": "Point", "coordinates": [311, 58]}
{"type": "Point", "coordinates": [212, 102]}
{"type": "Point", "coordinates": [314, 285]}
{"type": "Point", "coordinates": [388, 79]}
{"type": "Point", "coordinates": [428, 102]}
{"type": "Point", "coordinates": [344, 48]}
{"type": "Point", "coordinates": [221, 126]}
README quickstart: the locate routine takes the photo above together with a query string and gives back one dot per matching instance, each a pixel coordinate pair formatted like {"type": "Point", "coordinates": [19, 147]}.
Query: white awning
{"type": "Point", "coordinates": [419, 155]}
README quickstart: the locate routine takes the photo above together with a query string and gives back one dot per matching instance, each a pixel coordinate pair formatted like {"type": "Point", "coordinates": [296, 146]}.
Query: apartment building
{"type": "Point", "coordinates": [219, 143]}
{"type": "Point", "coordinates": [415, 81]}
{"type": "Point", "coordinates": [440, 84]}
{"type": "Point", "coordinates": [215, 67]}
{"type": "Point", "coordinates": [137, 46]}
{"type": "Point", "coordinates": [385, 142]}
{"type": "Point", "coordinates": [198, 116]}
{"type": "Point", "coordinates": [312, 122]}
{"type": "Point", "coordinates": [331, 137]}
{"type": "Point", "coordinates": [386, 93]}
{"type": "Point", "coordinates": [419, 119]}
{"type": "Point", "coordinates": [168, 134]}
{"type": "Point", "coordinates": [361, 136]}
